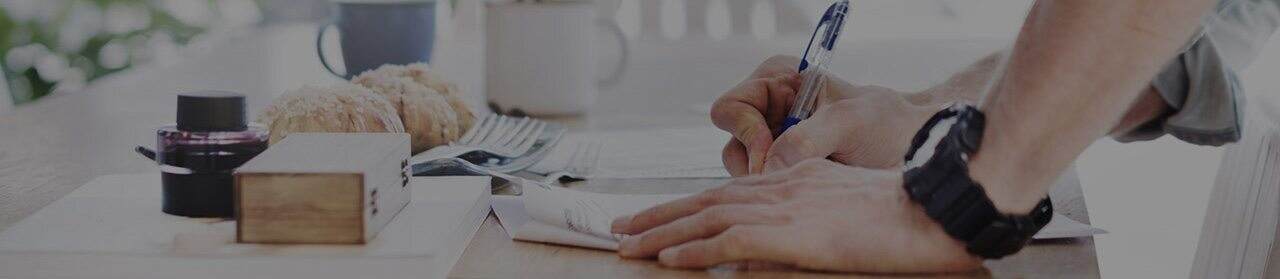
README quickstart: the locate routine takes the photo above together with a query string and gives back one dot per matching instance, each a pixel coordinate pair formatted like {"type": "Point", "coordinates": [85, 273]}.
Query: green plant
{"type": "Point", "coordinates": [68, 39]}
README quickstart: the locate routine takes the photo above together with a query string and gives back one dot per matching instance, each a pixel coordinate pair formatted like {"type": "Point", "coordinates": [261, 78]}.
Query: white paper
{"type": "Point", "coordinates": [517, 223]}
{"type": "Point", "coordinates": [1062, 227]}
{"type": "Point", "coordinates": [665, 153]}
{"type": "Point", "coordinates": [563, 216]}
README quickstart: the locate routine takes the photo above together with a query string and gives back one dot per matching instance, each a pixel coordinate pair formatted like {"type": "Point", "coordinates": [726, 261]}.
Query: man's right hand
{"type": "Point", "coordinates": [867, 126]}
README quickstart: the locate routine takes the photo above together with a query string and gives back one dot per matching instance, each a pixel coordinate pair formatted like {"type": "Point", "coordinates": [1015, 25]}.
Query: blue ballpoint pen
{"type": "Point", "coordinates": [814, 65]}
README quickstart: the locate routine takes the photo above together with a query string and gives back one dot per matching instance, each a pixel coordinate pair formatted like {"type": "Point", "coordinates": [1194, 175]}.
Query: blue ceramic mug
{"type": "Point", "coordinates": [374, 33]}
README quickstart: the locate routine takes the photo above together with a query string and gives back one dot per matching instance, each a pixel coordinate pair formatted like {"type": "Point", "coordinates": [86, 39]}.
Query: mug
{"type": "Point", "coordinates": [540, 57]}
{"type": "Point", "coordinates": [375, 33]}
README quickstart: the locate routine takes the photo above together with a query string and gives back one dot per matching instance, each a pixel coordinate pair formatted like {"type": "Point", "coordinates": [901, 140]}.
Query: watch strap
{"type": "Point", "coordinates": [943, 187]}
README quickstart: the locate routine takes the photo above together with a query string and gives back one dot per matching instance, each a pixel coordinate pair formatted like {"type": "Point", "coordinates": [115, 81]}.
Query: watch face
{"type": "Point", "coordinates": [926, 151]}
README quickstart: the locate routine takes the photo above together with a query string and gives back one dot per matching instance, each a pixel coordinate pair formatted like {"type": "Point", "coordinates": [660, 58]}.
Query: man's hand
{"type": "Point", "coordinates": [865, 126]}
{"type": "Point", "coordinates": [816, 215]}
{"type": "Point", "coordinates": [751, 111]}
{"type": "Point", "coordinates": [871, 130]}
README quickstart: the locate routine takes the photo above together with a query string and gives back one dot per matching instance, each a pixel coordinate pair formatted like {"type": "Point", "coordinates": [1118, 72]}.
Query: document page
{"type": "Point", "coordinates": [663, 153]}
{"type": "Point", "coordinates": [552, 214]}
{"type": "Point", "coordinates": [559, 215]}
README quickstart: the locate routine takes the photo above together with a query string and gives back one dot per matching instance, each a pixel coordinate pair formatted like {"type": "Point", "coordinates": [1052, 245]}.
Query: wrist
{"type": "Point", "coordinates": [1006, 183]}
{"type": "Point", "coordinates": [1008, 168]}
{"type": "Point", "coordinates": [938, 177]}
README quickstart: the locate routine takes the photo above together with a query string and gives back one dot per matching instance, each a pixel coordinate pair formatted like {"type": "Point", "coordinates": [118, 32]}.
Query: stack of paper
{"type": "Point", "coordinates": [666, 153]}
{"type": "Point", "coordinates": [562, 216]}
{"type": "Point", "coordinates": [1239, 230]}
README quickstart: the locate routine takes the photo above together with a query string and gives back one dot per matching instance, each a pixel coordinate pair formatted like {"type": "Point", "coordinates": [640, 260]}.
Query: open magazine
{"type": "Point", "coordinates": [558, 215]}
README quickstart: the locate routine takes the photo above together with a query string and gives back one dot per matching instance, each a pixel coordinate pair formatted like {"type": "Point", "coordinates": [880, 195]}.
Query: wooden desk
{"type": "Point", "coordinates": [49, 148]}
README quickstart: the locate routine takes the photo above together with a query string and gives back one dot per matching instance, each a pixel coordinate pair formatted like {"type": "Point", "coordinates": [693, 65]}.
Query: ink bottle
{"type": "Point", "coordinates": [198, 154]}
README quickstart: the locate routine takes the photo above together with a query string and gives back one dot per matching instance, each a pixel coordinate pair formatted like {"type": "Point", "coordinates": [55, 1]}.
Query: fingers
{"type": "Point", "coordinates": [782, 92]}
{"type": "Point", "coordinates": [748, 110]}
{"type": "Point", "coordinates": [735, 158]}
{"type": "Point", "coordinates": [704, 224]}
{"type": "Point", "coordinates": [671, 211]}
{"type": "Point", "coordinates": [807, 140]}
{"type": "Point", "coordinates": [741, 113]}
{"type": "Point", "coordinates": [738, 243]}
{"type": "Point", "coordinates": [775, 178]}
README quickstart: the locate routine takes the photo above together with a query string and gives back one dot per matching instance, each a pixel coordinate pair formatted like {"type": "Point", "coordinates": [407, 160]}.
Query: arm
{"type": "Point", "coordinates": [1065, 85]}
{"type": "Point", "coordinates": [1073, 73]}
{"type": "Point", "coordinates": [965, 86]}
{"type": "Point", "coordinates": [857, 125]}
{"type": "Point", "coordinates": [1193, 98]}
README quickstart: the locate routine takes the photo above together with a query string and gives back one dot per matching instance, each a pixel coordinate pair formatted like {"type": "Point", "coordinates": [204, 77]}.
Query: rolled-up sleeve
{"type": "Point", "coordinates": [1201, 84]}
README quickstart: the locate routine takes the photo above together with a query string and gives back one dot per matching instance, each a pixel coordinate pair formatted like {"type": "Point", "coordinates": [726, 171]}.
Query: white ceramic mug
{"type": "Point", "coordinates": [540, 57]}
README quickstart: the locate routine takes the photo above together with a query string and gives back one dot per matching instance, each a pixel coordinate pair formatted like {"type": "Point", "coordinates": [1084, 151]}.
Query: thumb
{"type": "Point", "coordinates": [806, 140]}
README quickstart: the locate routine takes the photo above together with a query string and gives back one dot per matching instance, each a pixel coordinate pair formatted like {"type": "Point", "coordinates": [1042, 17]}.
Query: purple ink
{"type": "Point", "coordinates": [198, 155]}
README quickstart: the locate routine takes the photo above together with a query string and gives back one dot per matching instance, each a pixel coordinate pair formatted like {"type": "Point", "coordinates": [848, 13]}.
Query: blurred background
{"type": "Point", "coordinates": [61, 45]}
{"type": "Point", "coordinates": [52, 46]}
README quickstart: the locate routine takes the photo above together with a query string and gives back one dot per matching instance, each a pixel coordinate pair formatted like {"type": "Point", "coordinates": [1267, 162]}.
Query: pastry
{"type": "Point", "coordinates": [430, 109]}
{"type": "Point", "coordinates": [427, 116]}
{"type": "Point", "coordinates": [421, 74]}
{"type": "Point", "coordinates": [337, 108]}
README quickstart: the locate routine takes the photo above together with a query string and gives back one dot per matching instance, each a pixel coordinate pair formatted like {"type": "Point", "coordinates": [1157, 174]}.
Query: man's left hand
{"type": "Point", "coordinates": [815, 215]}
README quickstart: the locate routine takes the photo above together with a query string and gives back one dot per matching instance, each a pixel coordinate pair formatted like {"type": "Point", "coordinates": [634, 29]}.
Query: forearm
{"type": "Point", "coordinates": [1075, 70]}
{"type": "Point", "coordinates": [964, 86]}
{"type": "Point", "coordinates": [967, 84]}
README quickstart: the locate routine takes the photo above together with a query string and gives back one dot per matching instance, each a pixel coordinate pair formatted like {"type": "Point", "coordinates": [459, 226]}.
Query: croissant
{"type": "Point", "coordinates": [337, 108]}
{"type": "Point", "coordinates": [430, 108]}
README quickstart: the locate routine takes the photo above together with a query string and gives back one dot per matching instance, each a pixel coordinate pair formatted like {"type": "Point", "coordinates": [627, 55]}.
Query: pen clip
{"type": "Point", "coordinates": [833, 18]}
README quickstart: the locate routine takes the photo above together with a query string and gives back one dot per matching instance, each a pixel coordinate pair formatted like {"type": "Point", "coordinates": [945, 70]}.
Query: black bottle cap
{"type": "Point", "coordinates": [211, 111]}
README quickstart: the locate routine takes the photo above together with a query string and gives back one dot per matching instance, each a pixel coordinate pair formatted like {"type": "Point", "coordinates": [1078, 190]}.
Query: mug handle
{"type": "Point", "coordinates": [624, 52]}
{"type": "Point", "coordinates": [320, 49]}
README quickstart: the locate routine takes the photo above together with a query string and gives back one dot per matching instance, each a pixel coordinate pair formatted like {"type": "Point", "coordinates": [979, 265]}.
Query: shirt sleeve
{"type": "Point", "coordinates": [1201, 84]}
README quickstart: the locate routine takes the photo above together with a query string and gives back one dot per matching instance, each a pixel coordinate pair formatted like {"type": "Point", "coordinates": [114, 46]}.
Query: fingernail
{"type": "Point", "coordinates": [627, 248]}
{"type": "Point", "coordinates": [619, 225]}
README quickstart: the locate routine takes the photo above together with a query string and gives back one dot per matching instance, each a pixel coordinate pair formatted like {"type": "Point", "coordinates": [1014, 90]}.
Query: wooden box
{"type": "Point", "coordinates": [322, 188]}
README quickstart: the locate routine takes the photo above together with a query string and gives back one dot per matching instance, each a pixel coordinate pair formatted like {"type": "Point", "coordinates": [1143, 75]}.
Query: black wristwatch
{"type": "Point", "coordinates": [937, 177]}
